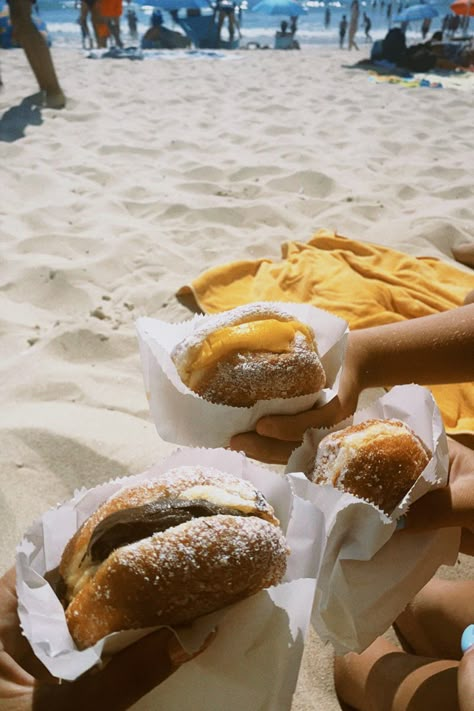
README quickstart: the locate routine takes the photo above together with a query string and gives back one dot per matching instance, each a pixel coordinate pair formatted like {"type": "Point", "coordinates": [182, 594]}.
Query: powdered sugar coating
{"type": "Point", "coordinates": [177, 575]}
{"type": "Point", "coordinates": [377, 460]}
{"type": "Point", "coordinates": [242, 378]}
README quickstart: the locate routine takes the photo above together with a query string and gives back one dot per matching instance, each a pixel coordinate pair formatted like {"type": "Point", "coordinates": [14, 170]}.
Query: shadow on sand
{"type": "Point", "coordinates": [15, 120]}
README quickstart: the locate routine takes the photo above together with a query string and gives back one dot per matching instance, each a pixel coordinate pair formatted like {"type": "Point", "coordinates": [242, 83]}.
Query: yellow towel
{"type": "Point", "coordinates": [365, 284]}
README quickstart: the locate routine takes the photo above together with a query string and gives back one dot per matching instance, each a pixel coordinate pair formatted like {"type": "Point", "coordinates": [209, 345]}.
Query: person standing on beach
{"type": "Point", "coordinates": [367, 27]}
{"type": "Point", "coordinates": [425, 27]}
{"type": "Point", "coordinates": [111, 11]}
{"type": "Point", "coordinates": [342, 31]}
{"type": "Point", "coordinates": [132, 21]}
{"type": "Point", "coordinates": [37, 52]}
{"type": "Point", "coordinates": [89, 7]}
{"type": "Point", "coordinates": [225, 10]}
{"type": "Point", "coordinates": [83, 24]}
{"type": "Point", "coordinates": [327, 17]}
{"type": "Point", "coordinates": [354, 23]}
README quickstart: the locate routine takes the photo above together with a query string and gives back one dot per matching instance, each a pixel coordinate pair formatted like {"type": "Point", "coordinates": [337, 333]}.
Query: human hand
{"type": "Point", "coordinates": [26, 685]}
{"type": "Point", "coordinates": [276, 436]}
{"type": "Point", "coordinates": [453, 505]}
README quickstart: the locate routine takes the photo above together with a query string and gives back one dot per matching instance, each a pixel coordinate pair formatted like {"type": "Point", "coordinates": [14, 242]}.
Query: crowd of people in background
{"type": "Point", "coordinates": [450, 25]}
{"type": "Point", "coordinates": [105, 16]}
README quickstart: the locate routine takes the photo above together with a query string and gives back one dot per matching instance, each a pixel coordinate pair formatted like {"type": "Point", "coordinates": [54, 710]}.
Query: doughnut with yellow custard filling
{"type": "Point", "coordinates": [254, 352]}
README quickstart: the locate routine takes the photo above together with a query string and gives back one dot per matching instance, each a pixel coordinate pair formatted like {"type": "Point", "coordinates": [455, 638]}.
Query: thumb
{"type": "Point", "coordinates": [450, 506]}
{"type": "Point", "coordinates": [291, 428]}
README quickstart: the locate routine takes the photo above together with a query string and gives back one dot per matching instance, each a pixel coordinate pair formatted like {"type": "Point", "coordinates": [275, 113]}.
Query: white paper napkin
{"type": "Point", "coordinates": [368, 575]}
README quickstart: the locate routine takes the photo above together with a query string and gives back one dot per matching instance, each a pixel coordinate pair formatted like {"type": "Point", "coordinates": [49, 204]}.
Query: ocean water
{"type": "Point", "coordinates": [61, 18]}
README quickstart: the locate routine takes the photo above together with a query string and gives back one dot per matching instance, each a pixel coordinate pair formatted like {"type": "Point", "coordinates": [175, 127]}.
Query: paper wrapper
{"type": "Point", "coordinates": [182, 417]}
{"type": "Point", "coordinates": [253, 661]}
{"type": "Point", "coordinates": [368, 575]}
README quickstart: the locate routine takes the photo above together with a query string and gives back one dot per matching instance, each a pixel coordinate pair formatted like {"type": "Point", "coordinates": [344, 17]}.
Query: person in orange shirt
{"type": "Point", "coordinates": [110, 11]}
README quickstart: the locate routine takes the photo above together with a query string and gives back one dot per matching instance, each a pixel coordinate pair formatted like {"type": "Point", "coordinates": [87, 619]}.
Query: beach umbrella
{"type": "Point", "coordinates": [463, 7]}
{"type": "Point", "coordinates": [280, 7]}
{"type": "Point", "coordinates": [416, 12]}
{"type": "Point", "coordinates": [178, 4]}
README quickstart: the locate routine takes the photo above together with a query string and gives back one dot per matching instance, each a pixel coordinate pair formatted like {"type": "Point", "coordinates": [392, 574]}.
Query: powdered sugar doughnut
{"type": "Point", "coordinates": [169, 550]}
{"type": "Point", "coordinates": [254, 352]}
{"type": "Point", "coordinates": [376, 460]}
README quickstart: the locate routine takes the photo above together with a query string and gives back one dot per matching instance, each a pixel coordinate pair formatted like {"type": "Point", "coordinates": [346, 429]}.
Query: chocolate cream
{"type": "Point", "coordinates": [130, 525]}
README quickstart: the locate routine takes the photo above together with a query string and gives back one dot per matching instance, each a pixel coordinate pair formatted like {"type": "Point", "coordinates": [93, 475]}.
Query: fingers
{"type": "Point", "coordinates": [451, 506]}
{"type": "Point", "coordinates": [278, 435]}
{"type": "Point", "coordinates": [291, 428]}
{"type": "Point", "coordinates": [264, 449]}
{"type": "Point", "coordinates": [11, 637]}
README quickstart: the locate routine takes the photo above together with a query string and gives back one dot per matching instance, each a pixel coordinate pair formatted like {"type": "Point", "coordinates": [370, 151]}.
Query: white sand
{"type": "Point", "coordinates": [155, 171]}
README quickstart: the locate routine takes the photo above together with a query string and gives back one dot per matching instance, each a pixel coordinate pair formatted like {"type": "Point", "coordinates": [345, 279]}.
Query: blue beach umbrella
{"type": "Point", "coordinates": [416, 12]}
{"type": "Point", "coordinates": [178, 4]}
{"type": "Point", "coordinates": [280, 7]}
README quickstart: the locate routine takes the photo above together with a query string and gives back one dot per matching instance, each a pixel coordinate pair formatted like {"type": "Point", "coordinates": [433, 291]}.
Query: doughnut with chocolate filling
{"type": "Point", "coordinates": [376, 460]}
{"type": "Point", "coordinates": [167, 551]}
{"type": "Point", "coordinates": [254, 352]}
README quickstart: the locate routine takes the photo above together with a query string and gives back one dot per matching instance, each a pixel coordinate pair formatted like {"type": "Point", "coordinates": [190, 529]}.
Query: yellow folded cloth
{"type": "Point", "coordinates": [365, 284]}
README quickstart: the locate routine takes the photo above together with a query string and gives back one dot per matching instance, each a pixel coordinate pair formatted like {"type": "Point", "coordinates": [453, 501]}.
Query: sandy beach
{"type": "Point", "coordinates": [157, 170]}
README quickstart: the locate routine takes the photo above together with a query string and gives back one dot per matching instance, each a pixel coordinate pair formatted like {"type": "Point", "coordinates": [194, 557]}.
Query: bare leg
{"type": "Point", "coordinates": [96, 22]}
{"type": "Point", "coordinates": [220, 22]}
{"type": "Point", "coordinates": [464, 254]}
{"type": "Point", "coordinates": [432, 624]}
{"type": "Point", "coordinates": [387, 679]}
{"type": "Point", "coordinates": [383, 678]}
{"type": "Point", "coordinates": [37, 52]}
{"type": "Point", "coordinates": [114, 27]}
{"type": "Point", "coordinates": [86, 35]}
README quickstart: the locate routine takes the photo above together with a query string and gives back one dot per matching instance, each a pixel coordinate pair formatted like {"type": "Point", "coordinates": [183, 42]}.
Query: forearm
{"type": "Point", "coordinates": [430, 350]}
